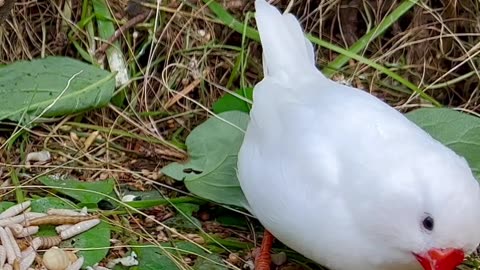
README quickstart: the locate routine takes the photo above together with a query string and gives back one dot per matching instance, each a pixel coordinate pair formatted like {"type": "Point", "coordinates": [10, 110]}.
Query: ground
{"type": "Point", "coordinates": [182, 57]}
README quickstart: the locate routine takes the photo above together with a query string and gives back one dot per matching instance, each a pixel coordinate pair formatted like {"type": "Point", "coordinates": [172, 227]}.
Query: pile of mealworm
{"type": "Point", "coordinates": [19, 249]}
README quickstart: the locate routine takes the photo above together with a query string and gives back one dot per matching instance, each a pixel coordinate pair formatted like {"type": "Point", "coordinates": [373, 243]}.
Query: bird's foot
{"type": "Point", "coordinates": [263, 260]}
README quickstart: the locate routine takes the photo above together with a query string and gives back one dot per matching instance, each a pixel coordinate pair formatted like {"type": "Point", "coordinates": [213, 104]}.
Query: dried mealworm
{"type": "Point", "coordinates": [12, 220]}
{"type": "Point", "coordinates": [27, 231]}
{"type": "Point", "coordinates": [3, 256]}
{"type": "Point", "coordinates": [23, 243]}
{"type": "Point", "coordinates": [58, 220]}
{"type": "Point", "coordinates": [31, 215]}
{"type": "Point", "coordinates": [41, 242]}
{"type": "Point", "coordinates": [15, 228]}
{"type": "Point", "coordinates": [15, 210]}
{"type": "Point", "coordinates": [16, 264]}
{"type": "Point", "coordinates": [65, 212]}
{"type": "Point", "coordinates": [50, 241]}
{"type": "Point", "coordinates": [90, 139]}
{"type": "Point", "coordinates": [60, 228]}
{"type": "Point", "coordinates": [28, 251]}
{"type": "Point", "coordinates": [19, 219]}
{"type": "Point", "coordinates": [76, 265]}
{"type": "Point", "coordinates": [27, 261]}
{"type": "Point", "coordinates": [31, 249]}
{"type": "Point", "coordinates": [35, 245]}
{"type": "Point", "coordinates": [7, 245]}
{"type": "Point", "coordinates": [79, 228]}
{"type": "Point", "coordinates": [14, 244]}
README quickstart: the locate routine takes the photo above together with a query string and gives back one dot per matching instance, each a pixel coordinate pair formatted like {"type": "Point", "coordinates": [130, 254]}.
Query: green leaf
{"type": "Point", "coordinates": [211, 170]}
{"type": "Point", "coordinates": [153, 258]}
{"type": "Point", "coordinates": [188, 208]}
{"type": "Point", "coordinates": [458, 131]}
{"type": "Point", "coordinates": [180, 222]}
{"type": "Point", "coordinates": [211, 262]}
{"type": "Point", "coordinates": [73, 188]}
{"type": "Point", "coordinates": [156, 258]}
{"type": "Point", "coordinates": [187, 248]}
{"type": "Point", "coordinates": [5, 205]}
{"type": "Point", "coordinates": [93, 244]}
{"type": "Point", "coordinates": [230, 102]}
{"type": "Point", "coordinates": [233, 220]}
{"type": "Point", "coordinates": [52, 86]}
{"type": "Point", "coordinates": [43, 204]}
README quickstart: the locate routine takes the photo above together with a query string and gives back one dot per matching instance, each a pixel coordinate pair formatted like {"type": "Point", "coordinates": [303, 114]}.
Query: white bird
{"type": "Point", "coordinates": [341, 177]}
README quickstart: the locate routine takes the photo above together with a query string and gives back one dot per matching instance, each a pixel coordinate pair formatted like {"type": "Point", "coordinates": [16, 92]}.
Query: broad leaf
{"type": "Point", "coordinates": [85, 192]}
{"type": "Point", "coordinates": [209, 262]}
{"type": "Point", "coordinates": [153, 258]}
{"type": "Point", "coordinates": [93, 244]}
{"type": "Point", "coordinates": [458, 131]}
{"type": "Point", "coordinates": [43, 204]}
{"type": "Point", "coordinates": [157, 258]}
{"type": "Point", "coordinates": [230, 102]}
{"type": "Point", "coordinates": [186, 224]}
{"type": "Point", "coordinates": [52, 86]}
{"type": "Point", "coordinates": [188, 208]}
{"type": "Point", "coordinates": [211, 170]}
{"type": "Point", "coordinates": [5, 205]}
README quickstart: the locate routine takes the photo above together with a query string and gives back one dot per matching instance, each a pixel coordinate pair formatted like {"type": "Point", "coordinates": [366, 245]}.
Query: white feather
{"type": "Point", "coordinates": [337, 174]}
{"type": "Point", "coordinates": [283, 42]}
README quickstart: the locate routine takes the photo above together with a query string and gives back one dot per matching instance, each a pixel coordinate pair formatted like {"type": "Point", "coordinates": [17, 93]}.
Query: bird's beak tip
{"type": "Point", "coordinates": [440, 259]}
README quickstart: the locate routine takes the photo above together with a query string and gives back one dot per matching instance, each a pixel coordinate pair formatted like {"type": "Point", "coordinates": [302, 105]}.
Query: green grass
{"type": "Point", "coordinates": [139, 135]}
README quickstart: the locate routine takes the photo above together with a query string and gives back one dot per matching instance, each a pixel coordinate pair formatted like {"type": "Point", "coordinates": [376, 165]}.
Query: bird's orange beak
{"type": "Point", "coordinates": [440, 259]}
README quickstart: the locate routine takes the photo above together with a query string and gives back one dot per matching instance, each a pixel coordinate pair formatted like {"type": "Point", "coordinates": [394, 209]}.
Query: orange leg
{"type": "Point", "coordinates": [264, 259]}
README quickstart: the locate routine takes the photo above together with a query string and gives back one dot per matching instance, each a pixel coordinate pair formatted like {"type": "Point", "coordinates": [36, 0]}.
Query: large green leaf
{"type": "Point", "coordinates": [52, 86]}
{"type": "Point", "coordinates": [85, 192]}
{"type": "Point", "coordinates": [43, 204]}
{"type": "Point", "coordinates": [458, 131]}
{"type": "Point", "coordinates": [230, 102]}
{"type": "Point", "coordinates": [93, 244]}
{"type": "Point", "coordinates": [209, 262]}
{"type": "Point", "coordinates": [211, 170]}
{"type": "Point", "coordinates": [156, 258]}
{"type": "Point", "coordinates": [5, 205]}
{"type": "Point", "coordinates": [152, 258]}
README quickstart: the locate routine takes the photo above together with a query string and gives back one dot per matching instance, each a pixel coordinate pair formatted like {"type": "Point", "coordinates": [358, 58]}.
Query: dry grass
{"type": "Point", "coordinates": [178, 77]}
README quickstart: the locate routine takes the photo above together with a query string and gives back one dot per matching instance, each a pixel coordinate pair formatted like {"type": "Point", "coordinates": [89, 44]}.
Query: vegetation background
{"type": "Point", "coordinates": [181, 57]}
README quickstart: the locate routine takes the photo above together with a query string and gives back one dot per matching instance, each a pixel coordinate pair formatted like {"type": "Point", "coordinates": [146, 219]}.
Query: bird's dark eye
{"type": "Point", "coordinates": [428, 223]}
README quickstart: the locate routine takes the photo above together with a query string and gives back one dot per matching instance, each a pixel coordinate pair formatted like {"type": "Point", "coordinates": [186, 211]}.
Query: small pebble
{"type": "Point", "coordinates": [279, 258]}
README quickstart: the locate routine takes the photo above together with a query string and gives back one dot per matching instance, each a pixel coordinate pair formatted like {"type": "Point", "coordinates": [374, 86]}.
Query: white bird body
{"type": "Point", "coordinates": [340, 176]}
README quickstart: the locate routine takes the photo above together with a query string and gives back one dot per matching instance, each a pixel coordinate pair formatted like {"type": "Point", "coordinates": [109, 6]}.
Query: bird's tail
{"type": "Point", "coordinates": [285, 48]}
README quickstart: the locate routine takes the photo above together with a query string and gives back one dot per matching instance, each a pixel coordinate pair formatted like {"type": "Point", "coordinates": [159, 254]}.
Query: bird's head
{"type": "Point", "coordinates": [448, 216]}
{"type": "Point", "coordinates": [430, 213]}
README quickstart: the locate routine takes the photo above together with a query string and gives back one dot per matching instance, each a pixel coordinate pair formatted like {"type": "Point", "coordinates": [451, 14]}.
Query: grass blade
{"type": "Point", "coordinates": [228, 20]}
{"type": "Point", "coordinates": [363, 42]}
